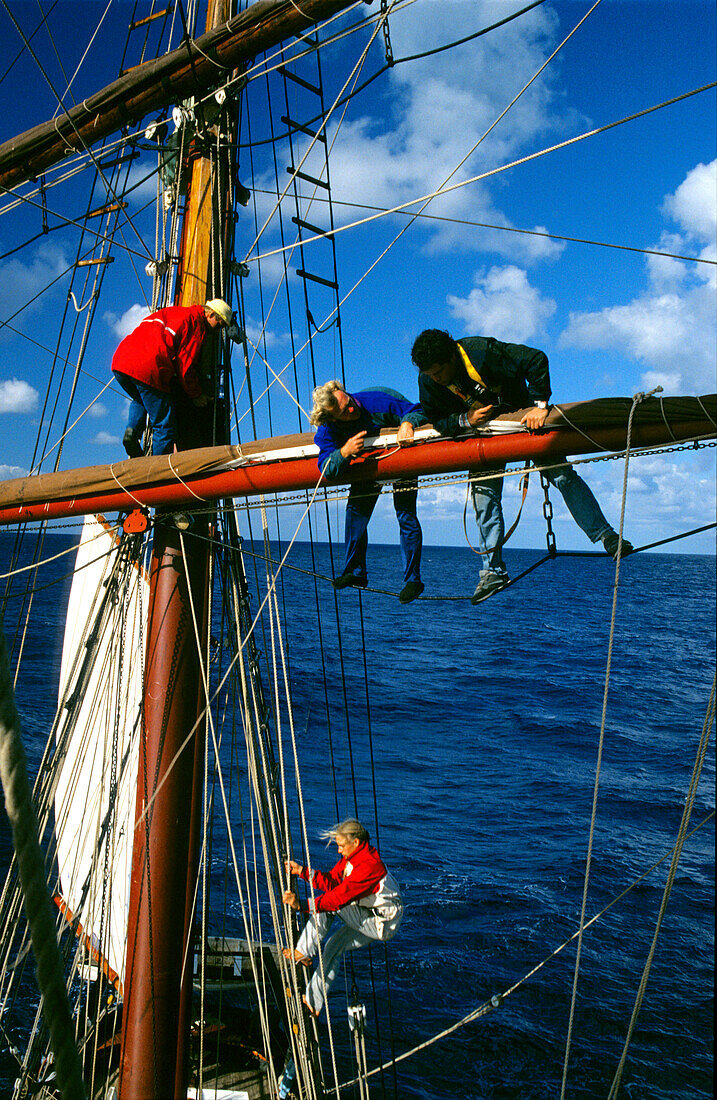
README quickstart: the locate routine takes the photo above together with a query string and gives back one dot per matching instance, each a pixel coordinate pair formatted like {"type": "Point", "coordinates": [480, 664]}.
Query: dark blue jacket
{"type": "Point", "coordinates": [379, 409]}
{"type": "Point", "coordinates": [515, 376]}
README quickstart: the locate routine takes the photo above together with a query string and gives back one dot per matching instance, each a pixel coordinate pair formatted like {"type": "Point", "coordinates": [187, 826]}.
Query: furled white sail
{"type": "Point", "coordinates": [100, 690]}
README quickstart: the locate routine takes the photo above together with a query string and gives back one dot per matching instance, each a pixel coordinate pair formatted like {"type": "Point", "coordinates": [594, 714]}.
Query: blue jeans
{"type": "Point", "coordinates": [578, 497]}
{"type": "Point", "coordinates": [359, 509]}
{"type": "Point", "coordinates": [153, 405]}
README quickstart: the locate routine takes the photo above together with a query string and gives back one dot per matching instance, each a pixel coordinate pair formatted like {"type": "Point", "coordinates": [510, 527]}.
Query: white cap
{"type": "Point", "coordinates": [220, 307]}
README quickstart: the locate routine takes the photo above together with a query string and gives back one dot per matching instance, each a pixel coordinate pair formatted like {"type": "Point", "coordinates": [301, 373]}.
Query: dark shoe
{"type": "Point", "coordinates": [348, 580]}
{"type": "Point", "coordinates": [131, 444]}
{"type": "Point", "coordinates": [410, 591]}
{"type": "Point", "coordinates": [610, 543]}
{"type": "Point", "coordinates": [488, 585]}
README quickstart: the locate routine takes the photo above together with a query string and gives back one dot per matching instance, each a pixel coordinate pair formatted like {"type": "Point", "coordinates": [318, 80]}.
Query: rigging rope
{"type": "Point", "coordinates": [512, 164]}
{"type": "Point", "coordinates": [497, 999]}
{"type": "Point", "coordinates": [676, 853]}
{"type": "Point", "coordinates": [207, 715]}
{"type": "Point", "coordinates": [637, 399]}
{"type": "Point", "coordinates": [31, 867]}
{"type": "Point", "coordinates": [525, 232]}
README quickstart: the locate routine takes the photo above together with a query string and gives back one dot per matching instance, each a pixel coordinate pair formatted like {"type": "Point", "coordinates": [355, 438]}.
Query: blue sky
{"type": "Point", "coordinates": [611, 321]}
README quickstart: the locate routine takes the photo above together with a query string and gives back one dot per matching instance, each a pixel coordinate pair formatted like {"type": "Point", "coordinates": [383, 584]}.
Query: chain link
{"type": "Point", "coordinates": [548, 513]}
{"type": "Point", "coordinates": [386, 33]}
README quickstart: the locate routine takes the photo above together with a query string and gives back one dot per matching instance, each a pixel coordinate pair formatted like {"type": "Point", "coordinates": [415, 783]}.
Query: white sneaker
{"type": "Point", "coordinates": [488, 585]}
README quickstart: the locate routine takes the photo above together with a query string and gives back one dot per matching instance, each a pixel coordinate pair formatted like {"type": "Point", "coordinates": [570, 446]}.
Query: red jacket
{"type": "Point", "coordinates": [164, 346]}
{"type": "Point", "coordinates": [349, 880]}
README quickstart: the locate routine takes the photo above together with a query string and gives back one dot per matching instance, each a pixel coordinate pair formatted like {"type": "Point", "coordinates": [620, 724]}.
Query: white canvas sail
{"type": "Point", "coordinates": [100, 689]}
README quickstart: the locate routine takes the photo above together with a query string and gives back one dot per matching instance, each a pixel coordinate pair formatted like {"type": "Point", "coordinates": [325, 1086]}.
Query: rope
{"type": "Point", "coordinates": [203, 500]}
{"type": "Point", "coordinates": [618, 557]}
{"type": "Point", "coordinates": [305, 837]}
{"type": "Point", "coordinates": [676, 853]}
{"type": "Point", "coordinates": [61, 554]}
{"type": "Point", "coordinates": [505, 167]}
{"type": "Point", "coordinates": [426, 199]}
{"type": "Point", "coordinates": [523, 232]}
{"type": "Point", "coordinates": [31, 867]}
{"type": "Point", "coordinates": [310, 147]}
{"type": "Point", "coordinates": [207, 716]}
{"type": "Point", "coordinates": [516, 521]}
{"type": "Point", "coordinates": [497, 999]}
{"type": "Point", "coordinates": [233, 661]}
{"type": "Point", "coordinates": [124, 490]}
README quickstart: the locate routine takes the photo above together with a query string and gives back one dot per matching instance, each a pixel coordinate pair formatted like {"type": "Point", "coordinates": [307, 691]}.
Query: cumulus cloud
{"type": "Point", "coordinates": [665, 493]}
{"type": "Point", "coordinates": [693, 205]}
{"type": "Point", "coordinates": [259, 337]}
{"type": "Point", "coordinates": [9, 473]}
{"type": "Point", "coordinates": [104, 439]}
{"type": "Point", "coordinates": [670, 327]}
{"type": "Point", "coordinates": [17, 396]}
{"type": "Point", "coordinates": [435, 130]}
{"type": "Point", "coordinates": [97, 411]}
{"type": "Point", "coordinates": [23, 285]}
{"type": "Point", "coordinates": [503, 304]}
{"type": "Point", "coordinates": [142, 181]}
{"type": "Point", "coordinates": [122, 326]}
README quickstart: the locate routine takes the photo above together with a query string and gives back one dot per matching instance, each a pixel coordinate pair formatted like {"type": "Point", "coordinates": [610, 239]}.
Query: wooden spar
{"type": "Point", "coordinates": [292, 474]}
{"type": "Point", "coordinates": [159, 969]}
{"type": "Point", "coordinates": [191, 70]}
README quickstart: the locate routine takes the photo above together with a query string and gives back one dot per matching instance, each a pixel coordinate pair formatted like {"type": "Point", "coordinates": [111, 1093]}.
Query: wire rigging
{"type": "Point", "coordinates": [505, 167]}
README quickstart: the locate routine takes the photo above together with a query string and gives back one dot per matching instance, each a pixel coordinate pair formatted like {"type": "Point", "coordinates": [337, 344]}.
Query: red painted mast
{"type": "Point", "coordinates": [159, 969]}
{"type": "Point", "coordinates": [162, 862]}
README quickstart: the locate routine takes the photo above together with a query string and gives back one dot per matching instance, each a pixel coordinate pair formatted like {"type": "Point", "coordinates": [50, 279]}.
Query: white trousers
{"type": "Point", "coordinates": [359, 926]}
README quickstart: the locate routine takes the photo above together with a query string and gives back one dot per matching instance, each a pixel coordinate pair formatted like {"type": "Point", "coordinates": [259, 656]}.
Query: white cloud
{"type": "Point", "coordinates": [670, 328]}
{"type": "Point", "coordinates": [8, 473]}
{"type": "Point", "coordinates": [503, 304]}
{"type": "Point", "coordinates": [143, 181]}
{"type": "Point", "coordinates": [23, 285]}
{"type": "Point", "coordinates": [261, 337]}
{"type": "Point", "coordinates": [17, 396]}
{"type": "Point", "coordinates": [435, 129]}
{"type": "Point", "coordinates": [122, 326]}
{"type": "Point", "coordinates": [106, 439]}
{"type": "Point", "coordinates": [97, 411]}
{"type": "Point", "coordinates": [651, 379]}
{"type": "Point", "coordinates": [693, 205]}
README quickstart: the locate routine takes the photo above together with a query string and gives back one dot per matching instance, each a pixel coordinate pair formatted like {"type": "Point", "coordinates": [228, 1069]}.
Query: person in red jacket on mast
{"type": "Point", "coordinates": [160, 352]}
{"type": "Point", "coordinates": [359, 891]}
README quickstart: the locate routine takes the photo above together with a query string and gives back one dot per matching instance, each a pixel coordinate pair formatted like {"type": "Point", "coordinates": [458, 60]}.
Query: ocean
{"type": "Point", "coordinates": [466, 740]}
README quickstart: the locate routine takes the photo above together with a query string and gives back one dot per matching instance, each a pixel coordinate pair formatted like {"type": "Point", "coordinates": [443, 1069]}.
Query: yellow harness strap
{"type": "Point", "coordinates": [472, 373]}
{"type": "Point", "coordinates": [470, 369]}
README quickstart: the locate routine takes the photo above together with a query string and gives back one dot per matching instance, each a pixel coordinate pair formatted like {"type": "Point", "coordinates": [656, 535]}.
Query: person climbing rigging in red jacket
{"type": "Point", "coordinates": [362, 893]}
{"type": "Point", "coordinates": [359, 890]}
{"type": "Point", "coordinates": [161, 351]}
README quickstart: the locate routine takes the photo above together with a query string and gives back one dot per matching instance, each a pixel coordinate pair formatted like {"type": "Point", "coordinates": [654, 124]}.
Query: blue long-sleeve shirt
{"type": "Point", "coordinates": [378, 409]}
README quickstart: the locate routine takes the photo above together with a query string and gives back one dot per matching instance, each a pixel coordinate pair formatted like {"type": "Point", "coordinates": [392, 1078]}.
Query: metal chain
{"type": "Point", "coordinates": [548, 513]}
{"type": "Point", "coordinates": [386, 33]}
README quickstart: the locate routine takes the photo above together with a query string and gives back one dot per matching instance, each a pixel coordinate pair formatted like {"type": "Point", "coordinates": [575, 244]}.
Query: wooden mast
{"type": "Point", "coordinates": [159, 968]}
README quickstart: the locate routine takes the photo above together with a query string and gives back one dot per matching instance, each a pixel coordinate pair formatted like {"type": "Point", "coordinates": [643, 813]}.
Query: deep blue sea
{"type": "Point", "coordinates": [466, 738]}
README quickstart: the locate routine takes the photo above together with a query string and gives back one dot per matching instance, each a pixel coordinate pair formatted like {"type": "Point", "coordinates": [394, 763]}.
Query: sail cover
{"type": "Point", "coordinates": [100, 691]}
{"type": "Point", "coordinates": [671, 419]}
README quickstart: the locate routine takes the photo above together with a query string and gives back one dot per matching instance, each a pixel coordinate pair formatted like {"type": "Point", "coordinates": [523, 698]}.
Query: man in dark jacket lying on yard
{"type": "Point", "coordinates": [464, 383]}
